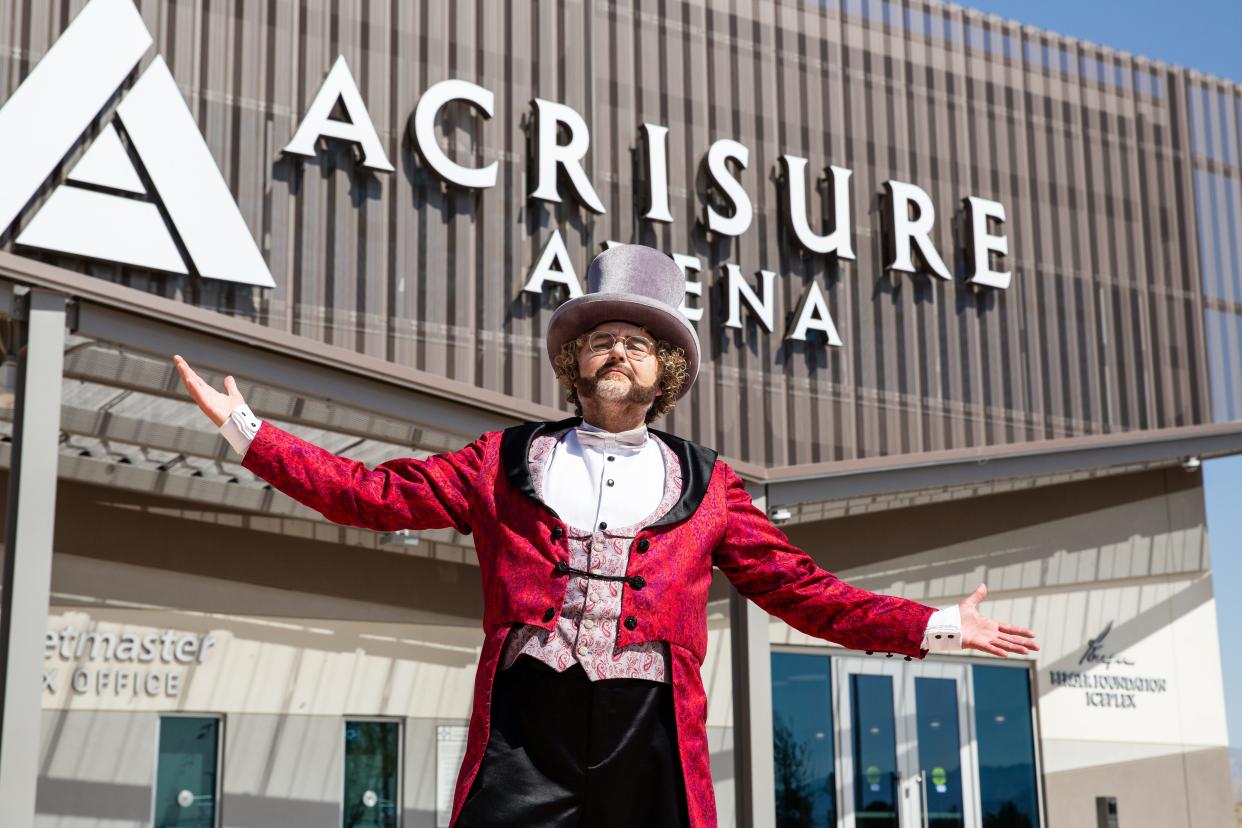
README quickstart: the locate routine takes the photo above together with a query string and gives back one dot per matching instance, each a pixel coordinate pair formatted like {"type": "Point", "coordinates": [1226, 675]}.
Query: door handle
{"type": "Point", "coordinates": [922, 779]}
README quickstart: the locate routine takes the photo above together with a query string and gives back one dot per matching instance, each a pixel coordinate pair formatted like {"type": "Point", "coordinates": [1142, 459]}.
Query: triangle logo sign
{"type": "Point", "coordinates": [150, 161]}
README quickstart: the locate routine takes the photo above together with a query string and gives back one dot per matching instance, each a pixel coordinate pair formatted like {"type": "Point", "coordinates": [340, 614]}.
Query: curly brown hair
{"type": "Point", "coordinates": [674, 371]}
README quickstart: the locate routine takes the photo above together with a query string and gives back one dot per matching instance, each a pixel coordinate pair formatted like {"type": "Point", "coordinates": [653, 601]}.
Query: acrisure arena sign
{"type": "Point", "coordinates": [727, 210]}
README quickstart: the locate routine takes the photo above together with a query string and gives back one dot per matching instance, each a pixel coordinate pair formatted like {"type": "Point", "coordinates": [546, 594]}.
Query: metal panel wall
{"type": "Point", "coordinates": [1088, 149]}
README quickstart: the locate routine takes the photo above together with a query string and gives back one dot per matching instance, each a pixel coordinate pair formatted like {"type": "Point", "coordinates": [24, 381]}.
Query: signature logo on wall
{"type": "Point", "coordinates": [1094, 653]}
{"type": "Point", "coordinates": [149, 161]}
{"type": "Point", "coordinates": [1104, 689]}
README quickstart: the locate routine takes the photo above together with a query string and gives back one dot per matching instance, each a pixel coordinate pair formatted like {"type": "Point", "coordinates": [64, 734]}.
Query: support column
{"type": "Point", "coordinates": [754, 778]}
{"type": "Point", "coordinates": [28, 548]}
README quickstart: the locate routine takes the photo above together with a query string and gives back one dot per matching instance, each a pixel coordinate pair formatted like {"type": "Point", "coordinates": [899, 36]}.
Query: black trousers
{"type": "Point", "coordinates": [566, 751]}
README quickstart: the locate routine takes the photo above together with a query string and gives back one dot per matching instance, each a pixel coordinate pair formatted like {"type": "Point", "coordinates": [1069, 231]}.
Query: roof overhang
{"type": "Point", "coordinates": [935, 470]}
{"type": "Point", "coordinates": [123, 338]}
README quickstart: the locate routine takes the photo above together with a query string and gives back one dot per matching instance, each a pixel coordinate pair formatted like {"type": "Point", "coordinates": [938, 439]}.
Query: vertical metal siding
{"type": "Point", "coordinates": [1102, 329]}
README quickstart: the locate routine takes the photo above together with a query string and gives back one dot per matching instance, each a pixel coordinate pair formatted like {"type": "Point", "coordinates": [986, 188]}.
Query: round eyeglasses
{"type": "Point", "coordinates": [636, 347]}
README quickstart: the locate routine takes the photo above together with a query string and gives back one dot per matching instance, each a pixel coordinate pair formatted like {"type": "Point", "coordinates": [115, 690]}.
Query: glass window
{"type": "Point", "coordinates": [1238, 117]}
{"type": "Point", "coordinates": [974, 36]}
{"type": "Point", "coordinates": [802, 741]}
{"type": "Point", "coordinates": [372, 774]}
{"type": "Point", "coordinates": [1218, 208]}
{"type": "Point", "coordinates": [1090, 67]}
{"type": "Point", "coordinates": [1007, 785]}
{"type": "Point", "coordinates": [1010, 46]}
{"type": "Point", "coordinates": [952, 30]}
{"type": "Point", "coordinates": [1230, 222]}
{"type": "Point", "coordinates": [892, 14]}
{"type": "Point", "coordinates": [1223, 333]}
{"type": "Point", "coordinates": [1069, 66]}
{"type": "Point", "coordinates": [1211, 128]}
{"type": "Point", "coordinates": [1037, 54]}
{"type": "Point", "coordinates": [1149, 84]}
{"type": "Point", "coordinates": [916, 22]}
{"type": "Point", "coordinates": [1207, 118]}
{"type": "Point", "coordinates": [1121, 76]}
{"type": "Point", "coordinates": [1221, 104]}
{"type": "Point", "coordinates": [876, 779]}
{"type": "Point", "coordinates": [185, 772]}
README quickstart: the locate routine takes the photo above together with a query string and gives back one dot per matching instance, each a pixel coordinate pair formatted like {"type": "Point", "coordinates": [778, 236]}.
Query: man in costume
{"type": "Point", "coordinates": [596, 537]}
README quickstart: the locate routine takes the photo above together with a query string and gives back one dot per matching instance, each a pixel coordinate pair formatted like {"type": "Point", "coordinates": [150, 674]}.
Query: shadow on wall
{"type": "Point", "coordinates": [88, 524]}
{"type": "Point", "coordinates": [1127, 526]}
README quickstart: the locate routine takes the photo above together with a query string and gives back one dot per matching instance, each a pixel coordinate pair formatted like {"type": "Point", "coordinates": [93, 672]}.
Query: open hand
{"type": "Point", "coordinates": [982, 633]}
{"type": "Point", "coordinates": [215, 405]}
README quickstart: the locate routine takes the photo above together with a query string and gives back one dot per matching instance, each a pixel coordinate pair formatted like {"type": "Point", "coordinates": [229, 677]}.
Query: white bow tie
{"type": "Point", "coordinates": [635, 437]}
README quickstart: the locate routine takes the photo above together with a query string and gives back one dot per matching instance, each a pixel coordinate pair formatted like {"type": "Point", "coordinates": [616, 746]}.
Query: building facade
{"type": "Point", "coordinates": [970, 297]}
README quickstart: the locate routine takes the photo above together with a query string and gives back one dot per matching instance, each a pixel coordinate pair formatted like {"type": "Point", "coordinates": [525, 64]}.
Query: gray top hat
{"type": "Point", "coordinates": [635, 284]}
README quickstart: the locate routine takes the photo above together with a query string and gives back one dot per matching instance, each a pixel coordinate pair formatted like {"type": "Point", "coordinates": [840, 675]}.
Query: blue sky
{"type": "Point", "coordinates": [1222, 480]}
{"type": "Point", "coordinates": [1202, 35]}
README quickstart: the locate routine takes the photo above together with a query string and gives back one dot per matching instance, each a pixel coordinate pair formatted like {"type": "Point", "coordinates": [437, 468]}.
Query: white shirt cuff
{"type": "Point", "coordinates": [240, 427]}
{"type": "Point", "coordinates": [944, 630]}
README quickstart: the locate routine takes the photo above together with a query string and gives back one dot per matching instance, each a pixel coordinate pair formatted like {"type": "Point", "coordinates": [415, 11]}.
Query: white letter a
{"type": "Point", "coordinates": [339, 85]}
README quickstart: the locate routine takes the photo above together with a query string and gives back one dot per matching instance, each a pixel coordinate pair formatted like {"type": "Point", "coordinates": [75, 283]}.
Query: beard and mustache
{"type": "Point", "coordinates": [600, 387]}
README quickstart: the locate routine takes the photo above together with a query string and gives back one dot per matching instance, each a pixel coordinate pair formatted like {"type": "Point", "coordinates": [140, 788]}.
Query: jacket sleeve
{"type": "Point", "coordinates": [782, 579]}
{"type": "Point", "coordinates": [435, 493]}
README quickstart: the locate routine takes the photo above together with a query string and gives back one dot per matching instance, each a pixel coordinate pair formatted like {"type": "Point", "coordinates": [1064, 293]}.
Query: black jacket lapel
{"type": "Point", "coordinates": [515, 445]}
{"type": "Point", "coordinates": [697, 463]}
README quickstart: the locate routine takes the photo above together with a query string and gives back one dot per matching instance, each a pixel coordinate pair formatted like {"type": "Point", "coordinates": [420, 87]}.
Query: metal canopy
{"type": "Point", "coordinates": [141, 323]}
{"type": "Point", "coordinates": [123, 339]}
{"type": "Point", "coordinates": [939, 470]}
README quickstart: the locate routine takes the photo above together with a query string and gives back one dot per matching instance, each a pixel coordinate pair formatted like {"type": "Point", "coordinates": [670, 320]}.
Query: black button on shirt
{"type": "Point", "coordinates": [630, 622]}
{"type": "Point", "coordinates": [548, 613]}
{"type": "Point", "coordinates": [644, 545]}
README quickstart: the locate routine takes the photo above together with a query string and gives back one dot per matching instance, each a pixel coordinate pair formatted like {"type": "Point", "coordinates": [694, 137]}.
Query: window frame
{"type": "Point", "coordinates": [401, 734]}
{"type": "Point", "coordinates": [218, 792]}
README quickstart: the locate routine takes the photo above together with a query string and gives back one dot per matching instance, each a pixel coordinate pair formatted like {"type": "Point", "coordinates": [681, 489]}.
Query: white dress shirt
{"type": "Point", "coordinates": [604, 481]}
{"type": "Point", "coordinates": [614, 479]}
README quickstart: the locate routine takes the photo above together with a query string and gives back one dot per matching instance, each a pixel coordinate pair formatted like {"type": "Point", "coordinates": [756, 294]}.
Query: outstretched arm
{"type": "Point", "coordinates": [400, 494]}
{"type": "Point", "coordinates": [782, 579]}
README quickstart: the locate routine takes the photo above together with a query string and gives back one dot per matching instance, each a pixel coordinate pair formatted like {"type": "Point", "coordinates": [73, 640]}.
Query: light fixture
{"type": "Point", "coordinates": [399, 538]}
{"type": "Point", "coordinates": [1191, 463]}
{"type": "Point", "coordinates": [780, 514]}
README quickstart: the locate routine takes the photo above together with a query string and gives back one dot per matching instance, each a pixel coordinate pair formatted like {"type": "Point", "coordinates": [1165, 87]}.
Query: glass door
{"type": "Point", "coordinates": [372, 774]}
{"type": "Point", "coordinates": [187, 772]}
{"type": "Point", "coordinates": [905, 747]}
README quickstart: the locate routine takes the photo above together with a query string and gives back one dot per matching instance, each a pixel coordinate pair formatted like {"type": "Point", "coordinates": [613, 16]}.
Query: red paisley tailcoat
{"type": "Point", "coordinates": [485, 488]}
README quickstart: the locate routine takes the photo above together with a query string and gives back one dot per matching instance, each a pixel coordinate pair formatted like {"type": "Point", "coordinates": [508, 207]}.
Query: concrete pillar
{"type": "Point", "coordinates": [755, 779]}
{"type": "Point", "coordinates": [28, 548]}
